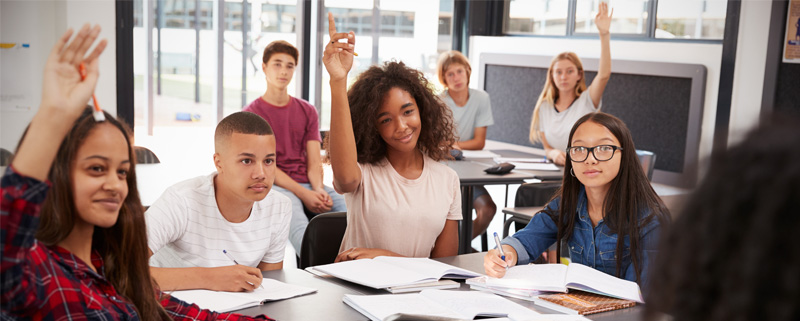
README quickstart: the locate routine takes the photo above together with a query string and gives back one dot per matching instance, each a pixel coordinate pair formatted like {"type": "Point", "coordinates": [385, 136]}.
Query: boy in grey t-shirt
{"type": "Point", "coordinates": [472, 112]}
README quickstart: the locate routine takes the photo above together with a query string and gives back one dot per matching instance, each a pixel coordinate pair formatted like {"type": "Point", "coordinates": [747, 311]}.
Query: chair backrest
{"type": "Point", "coordinates": [5, 157]}
{"type": "Point", "coordinates": [145, 156]}
{"type": "Point", "coordinates": [322, 239]}
{"type": "Point", "coordinates": [648, 160]}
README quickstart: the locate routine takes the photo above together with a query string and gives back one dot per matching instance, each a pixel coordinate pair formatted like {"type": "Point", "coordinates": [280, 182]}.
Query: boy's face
{"type": "Point", "coordinates": [246, 165]}
{"type": "Point", "coordinates": [279, 70]}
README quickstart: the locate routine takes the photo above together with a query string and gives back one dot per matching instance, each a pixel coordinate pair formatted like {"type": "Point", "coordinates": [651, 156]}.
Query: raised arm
{"type": "Point", "coordinates": [603, 23]}
{"type": "Point", "coordinates": [338, 59]}
{"type": "Point", "coordinates": [64, 97]}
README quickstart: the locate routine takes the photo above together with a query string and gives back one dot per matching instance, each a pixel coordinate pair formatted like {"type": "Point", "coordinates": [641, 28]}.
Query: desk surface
{"type": "Point", "coordinates": [471, 173]}
{"type": "Point", "coordinates": [325, 304]}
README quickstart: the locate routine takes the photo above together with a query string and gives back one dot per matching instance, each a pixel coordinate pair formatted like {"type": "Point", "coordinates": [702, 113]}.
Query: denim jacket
{"type": "Point", "coordinates": [595, 247]}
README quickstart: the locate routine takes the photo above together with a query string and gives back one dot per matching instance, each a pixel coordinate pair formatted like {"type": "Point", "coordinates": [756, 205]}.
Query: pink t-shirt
{"type": "Point", "coordinates": [405, 216]}
{"type": "Point", "coordinates": [294, 125]}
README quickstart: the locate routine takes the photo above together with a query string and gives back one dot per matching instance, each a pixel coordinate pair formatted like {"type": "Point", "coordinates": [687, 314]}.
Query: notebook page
{"type": "Point", "coordinates": [214, 300]}
{"type": "Point", "coordinates": [541, 277]}
{"type": "Point", "coordinates": [374, 273]}
{"type": "Point", "coordinates": [472, 303]}
{"type": "Point", "coordinates": [273, 290]}
{"type": "Point", "coordinates": [429, 268]}
{"type": "Point", "coordinates": [582, 277]}
{"type": "Point", "coordinates": [378, 307]}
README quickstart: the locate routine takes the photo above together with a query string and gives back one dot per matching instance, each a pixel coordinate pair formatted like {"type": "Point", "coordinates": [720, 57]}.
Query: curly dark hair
{"type": "Point", "coordinates": [733, 254]}
{"type": "Point", "coordinates": [366, 97]}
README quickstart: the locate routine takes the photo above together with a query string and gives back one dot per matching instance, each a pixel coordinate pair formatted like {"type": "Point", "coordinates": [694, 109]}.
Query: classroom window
{"type": "Point", "coordinates": [674, 19]}
{"type": "Point", "coordinates": [537, 17]}
{"type": "Point", "coordinates": [691, 19]}
{"type": "Point", "coordinates": [278, 18]}
{"type": "Point", "coordinates": [630, 17]}
{"type": "Point", "coordinates": [402, 35]}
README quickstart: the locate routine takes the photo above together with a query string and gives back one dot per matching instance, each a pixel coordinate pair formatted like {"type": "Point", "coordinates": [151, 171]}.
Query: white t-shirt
{"type": "Point", "coordinates": [405, 216]}
{"type": "Point", "coordinates": [556, 126]}
{"type": "Point", "coordinates": [477, 112]}
{"type": "Point", "coordinates": [186, 229]}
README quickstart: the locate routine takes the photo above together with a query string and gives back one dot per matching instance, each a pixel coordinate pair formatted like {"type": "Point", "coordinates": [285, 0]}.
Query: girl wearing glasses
{"type": "Point", "coordinates": [606, 212]}
{"type": "Point", "coordinates": [565, 98]}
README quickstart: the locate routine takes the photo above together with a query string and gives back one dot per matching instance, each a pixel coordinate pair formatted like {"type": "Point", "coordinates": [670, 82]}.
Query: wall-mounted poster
{"type": "Point", "coordinates": [791, 45]}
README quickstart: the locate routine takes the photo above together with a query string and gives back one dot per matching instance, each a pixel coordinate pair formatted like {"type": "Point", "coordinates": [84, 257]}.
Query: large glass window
{"type": "Point", "coordinates": [630, 16]}
{"type": "Point", "coordinates": [682, 19]}
{"type": "Point", "coordinates": [691, 19]}
{"type": "Point", "coordinates": [537, 17]}
{"type": "Point", "coordinates": [184, 66]}
{"type": "Point", "coordinates": [402, 35]}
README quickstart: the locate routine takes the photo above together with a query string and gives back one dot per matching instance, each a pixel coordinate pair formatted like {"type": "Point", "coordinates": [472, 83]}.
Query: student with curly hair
{"type": "Point", "coordinates": [733, 254]}
{"type": "Point", "coordinates": [606, 211]}
{"type": "Point", "coordinates": [74, 243]}
{"type": "Point", "coordinates": [387, 135]}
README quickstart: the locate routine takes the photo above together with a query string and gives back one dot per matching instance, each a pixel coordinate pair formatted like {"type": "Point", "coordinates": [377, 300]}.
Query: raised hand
{"type": "Point", "coordinates": [338, 56]}
{"type": "Point", "coordinates": [63, 91]}
{"type": "Point", "coordinates": [603, 18]}
{"type": "Point", "coordinates": [64, 97]}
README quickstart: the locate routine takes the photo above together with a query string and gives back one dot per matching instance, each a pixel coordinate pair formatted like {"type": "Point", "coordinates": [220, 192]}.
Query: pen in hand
{"type": "Point", "coordinates": [500, 248]}
{"type": "Point", "coordinates": [237, 263]}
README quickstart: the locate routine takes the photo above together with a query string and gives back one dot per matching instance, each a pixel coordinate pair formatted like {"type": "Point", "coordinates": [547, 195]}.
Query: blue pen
{"type": "Point", "coordinates": [237, 263]}
{"type": "Point", "coordinates": [500, 248]}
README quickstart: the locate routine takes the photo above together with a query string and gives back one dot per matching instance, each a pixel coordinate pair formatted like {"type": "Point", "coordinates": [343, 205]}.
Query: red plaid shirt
{"type": "Point", "coordinates": [49, 283]}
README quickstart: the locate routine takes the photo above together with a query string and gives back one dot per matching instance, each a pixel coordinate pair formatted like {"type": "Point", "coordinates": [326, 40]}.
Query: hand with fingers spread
{"type": "Point", "coordinates": [234, 278]}
{"type": "Point", "coordinates": [64, 97]}
{"type": "Point", "coordinates": [603, 18]}
{"type": "Point", "coordinates": [358, 253]}
{"type": "Point", "coordinates": [63, 88]}
{"type": "Point", "coordinates": [338, 56]}
{"type": "Point", "coordinates": [495, 266]}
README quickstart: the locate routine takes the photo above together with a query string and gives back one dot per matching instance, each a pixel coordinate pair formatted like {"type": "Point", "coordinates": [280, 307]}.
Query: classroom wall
{"type": "Point", "coordinates": [40, 23]}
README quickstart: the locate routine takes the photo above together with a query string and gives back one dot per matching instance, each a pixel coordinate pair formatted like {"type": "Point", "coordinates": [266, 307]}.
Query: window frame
{"type": "Point", "coordinates": [647, 36]}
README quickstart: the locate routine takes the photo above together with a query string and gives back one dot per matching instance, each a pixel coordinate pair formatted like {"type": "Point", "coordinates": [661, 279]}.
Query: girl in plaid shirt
{"type": "Point", "coordinates": [79, 251]}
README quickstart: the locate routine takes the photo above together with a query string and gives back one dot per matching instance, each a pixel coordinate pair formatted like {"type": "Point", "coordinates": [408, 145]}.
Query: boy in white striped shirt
{"type": "Point", "coordinates": [232, 209]}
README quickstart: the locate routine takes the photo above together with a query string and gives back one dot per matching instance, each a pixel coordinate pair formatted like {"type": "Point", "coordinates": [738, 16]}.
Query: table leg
{"type": "Point", "coordinates": [465, 237]}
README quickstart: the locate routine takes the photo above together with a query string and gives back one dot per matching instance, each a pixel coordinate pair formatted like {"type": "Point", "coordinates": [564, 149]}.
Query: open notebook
{"type": "Point", "coordinates": [560, 277]}
{"type": "Point", "coordinates": [219, 301]}
{"type": "Point", "coordinates": [388, 271]}
{"type": "Point", "coordinates": [440, 303]}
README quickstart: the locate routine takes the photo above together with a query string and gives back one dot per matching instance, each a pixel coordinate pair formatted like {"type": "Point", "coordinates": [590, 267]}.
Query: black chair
{"type": "Point", "coordinates": [5, 157]}
{"type": "Point", "coordinates": [145, 156]}
{"type": "Point", "coordinates": [322, 239]}
{"type": "Point", "coordinates": [648, 160]}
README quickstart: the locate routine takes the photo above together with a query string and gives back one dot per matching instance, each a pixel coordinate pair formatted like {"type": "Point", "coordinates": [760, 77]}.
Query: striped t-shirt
{"type": "Point", "coordinates": [186, 229]}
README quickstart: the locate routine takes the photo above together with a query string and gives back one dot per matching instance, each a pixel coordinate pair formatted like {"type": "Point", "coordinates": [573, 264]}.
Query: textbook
{"type": "Point", "coordinates": [389, 271]}
{"type": "Point", "coordinates": [458, 305]}
{"type": "Point", "coordinates": [580, 302]}
{"type": "Point", "coordinates": [273, 290]}
{"type": "Point", "coordinates": [560, 277]}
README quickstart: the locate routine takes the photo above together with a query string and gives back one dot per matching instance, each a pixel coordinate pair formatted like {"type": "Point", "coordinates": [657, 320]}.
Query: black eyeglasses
{"type": "Point", "coordinates": [601, 152]}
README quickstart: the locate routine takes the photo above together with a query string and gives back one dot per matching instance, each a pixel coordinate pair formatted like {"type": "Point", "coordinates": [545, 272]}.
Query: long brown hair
{"type": "Point", "coordinates": [550, 92]}
{"type": "Point", "coordinates": [629, 196]}
{"type": "Point", "coordinates": [366, 98]}
{"type": "Point", "coordinates": [122, 246]}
